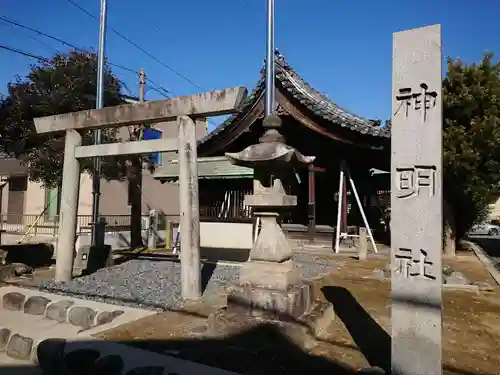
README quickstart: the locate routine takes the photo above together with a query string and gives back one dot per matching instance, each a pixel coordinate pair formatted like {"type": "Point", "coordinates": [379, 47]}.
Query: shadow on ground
{"type": "Point", "coordinates": [259, 350]}
{"type": "Point", "coordinates": [209, 254]}
{"type": "Point", "coordinates": [372, 340]}
{"type": "Point", "coordinates": [34, 255]}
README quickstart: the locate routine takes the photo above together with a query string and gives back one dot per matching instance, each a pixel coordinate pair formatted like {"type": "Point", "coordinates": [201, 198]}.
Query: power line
{"type": "Point", "coordinates": [139, 47]}
{"type": "Point", "coordinates": [160, 90]}
{"type": "Point", "coordinates": [154, 85]}
{"type": "Point", "coordinates": [36, 31]}
{"type": "Point", "coordinates": [47, 46]}
{"type": "Point", "coordinates": [27, 54]}
{"type": "Point", "coordinates": [130, 92]}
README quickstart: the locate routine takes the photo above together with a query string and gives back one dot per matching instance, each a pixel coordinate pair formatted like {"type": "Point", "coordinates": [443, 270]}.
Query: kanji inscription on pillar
{"type": "Point", "coordinates": [412, 180]}
{"type": "Point", "coordinates": [414, 263]}
{"type": "Point", "coordinates": [416, 202]}
{"type": "Point", "coordinates": [422, 100]}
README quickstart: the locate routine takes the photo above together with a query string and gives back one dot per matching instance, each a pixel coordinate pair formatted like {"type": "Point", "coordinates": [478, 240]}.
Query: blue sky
{"type": "Point", "coordinates": [342, 48]}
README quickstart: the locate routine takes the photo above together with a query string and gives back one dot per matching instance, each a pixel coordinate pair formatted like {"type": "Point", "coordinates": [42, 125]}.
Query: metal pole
{"type": "Point", "coordinates": [337, 232]}
{"type": "Point", "coordinates": [270, 75]}
{"type": "Point", "coordinates": [96, 191]}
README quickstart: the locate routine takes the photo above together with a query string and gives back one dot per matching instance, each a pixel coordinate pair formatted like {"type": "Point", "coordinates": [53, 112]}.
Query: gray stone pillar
{"type": "Point", "coordinates": [189, 210]}
{"type": "Point", "coordinates": [363, 244]}
{"type": "Point", "coordinates": [100, 231]}
{"type": "Point", "coordinates": [416, 202]}
{"type": "Point", "coordinates": [69, 208]}
{"type": "Point", "coordinates": [152, 229]}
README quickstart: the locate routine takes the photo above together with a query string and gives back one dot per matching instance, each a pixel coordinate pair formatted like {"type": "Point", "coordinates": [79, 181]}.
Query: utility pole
{"type": "Point", "coordinates": [135, 176]}
{"type": "Point", "coordinates": [142, 85]}
{"type": "Point", "coordinates": [96, 186]}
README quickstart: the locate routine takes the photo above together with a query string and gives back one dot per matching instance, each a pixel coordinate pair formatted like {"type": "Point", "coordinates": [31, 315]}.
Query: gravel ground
{"type": "Point", "coordinates": [155, 285]}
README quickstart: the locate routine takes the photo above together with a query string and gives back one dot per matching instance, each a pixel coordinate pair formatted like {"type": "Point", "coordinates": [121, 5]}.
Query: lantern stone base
{"type": "Point", "coordinates": [273, 304]}
{"type": "Point", "coordinates": [291, 310]}
{"type": "Point", "coordinates": [271, 290]}
{"type": "Point", "coordinates": [269, 275]}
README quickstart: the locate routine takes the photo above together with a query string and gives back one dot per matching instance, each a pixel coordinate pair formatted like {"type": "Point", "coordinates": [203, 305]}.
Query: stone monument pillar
{"type": "Point", "coordinates": [269, 284]}
{"type": "Point", "coordinates": [416, 202]}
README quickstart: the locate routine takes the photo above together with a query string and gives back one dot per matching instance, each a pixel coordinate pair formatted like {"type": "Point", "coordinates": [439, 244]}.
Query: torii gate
{"type": "Point", "coordinates": [184, 109]}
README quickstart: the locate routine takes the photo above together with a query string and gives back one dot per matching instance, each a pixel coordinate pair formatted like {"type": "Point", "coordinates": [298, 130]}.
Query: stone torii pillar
{"type": "Point", "coordinates": [185, 109]}
{"type": "Point", "coordinates": [70, 192]}
{"type": "Point", "coordinates": [189, 209]}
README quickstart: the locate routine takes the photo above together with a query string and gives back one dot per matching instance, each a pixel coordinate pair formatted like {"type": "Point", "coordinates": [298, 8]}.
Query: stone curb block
{"type": "Point", "coordinates": [36, 305]}
{"type": "Point", "coordinates": [20, 347]}
{"type": "Point", "coordinates": [4, 338]}
{"type": "Point", "coordinates": [58, 310]}
{"type": "Point", "coordinates": [13, 301]}
{"type": "Point", "coordinates": [62, 311]}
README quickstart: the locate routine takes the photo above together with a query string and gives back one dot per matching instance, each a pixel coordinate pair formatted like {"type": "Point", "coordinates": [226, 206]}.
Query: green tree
{"type": "Point", "coordinates": [471, 144]}
{"type": "Point", "coordinates": [65, 83]}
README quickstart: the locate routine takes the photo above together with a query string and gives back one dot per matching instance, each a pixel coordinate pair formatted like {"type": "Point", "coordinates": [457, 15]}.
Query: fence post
{"type": "Point", "coordinates": [152, 229]}
{"type": "Point", "coordinates": [100, 231]}
{"type": "Point", "coordinates": [363, 244]}
{"type": "Point", "coordinates": [55, 227]}
{"type": "Point", "coordinates": [168, 234]}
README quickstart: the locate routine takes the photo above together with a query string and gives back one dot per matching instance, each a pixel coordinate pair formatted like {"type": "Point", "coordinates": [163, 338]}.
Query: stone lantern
{"type": "Point", "coordinates": [270, 285]}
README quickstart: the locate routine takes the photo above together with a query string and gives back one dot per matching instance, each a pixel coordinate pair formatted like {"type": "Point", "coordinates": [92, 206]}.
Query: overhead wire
{"type": "Point", "coordinates": [44, 59]}
{"type": "Point", "coordinates": [155, 86]}
{"type": "Point", "coordinates": [158, 88]}
{"type": "Point", "coordinates": [24, 53]}
{"type": "Point", "coordinates": [147, 53]}
{"type": "Point", "coordinates": [151, 84]}
{"type": "Point", "coordinates": [46, 46]}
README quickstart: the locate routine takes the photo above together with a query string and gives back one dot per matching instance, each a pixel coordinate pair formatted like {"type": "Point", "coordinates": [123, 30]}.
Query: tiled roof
{"type": "Point", "coordinates": [320, 105]}
{"type": "Point", "coordinates": [210, 167]}
{"type": "Point", "coordinates": [313, 100]}
{"type": "Point", "coordinates": [246, 105]}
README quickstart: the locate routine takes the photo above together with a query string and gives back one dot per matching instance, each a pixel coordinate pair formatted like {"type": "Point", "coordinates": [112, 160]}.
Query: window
{"type": "Point", "coordinates": [151, 133]}
{"type": "Point", "coordinates": [18, 183]}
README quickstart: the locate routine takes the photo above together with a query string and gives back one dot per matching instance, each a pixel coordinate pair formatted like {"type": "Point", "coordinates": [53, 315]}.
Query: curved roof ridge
{"type": "Point", "coordinates": [329, 110]}
{"type": "Point", "coordinates": [323, 98]}
{"type": "Point", "coordinates": [311, 98]}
